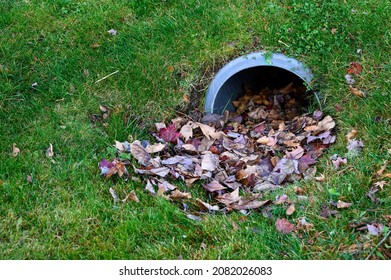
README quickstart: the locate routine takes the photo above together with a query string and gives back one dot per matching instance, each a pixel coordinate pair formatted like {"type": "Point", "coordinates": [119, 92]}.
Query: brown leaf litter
{"type": "Point", "coordinates": [265, 144]}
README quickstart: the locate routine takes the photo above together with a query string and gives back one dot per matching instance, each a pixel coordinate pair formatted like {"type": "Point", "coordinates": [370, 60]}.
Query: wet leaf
{"type": "Point", "coordinates": [15, 150]}
{"type": "Point", "coordinates": [284, 226]}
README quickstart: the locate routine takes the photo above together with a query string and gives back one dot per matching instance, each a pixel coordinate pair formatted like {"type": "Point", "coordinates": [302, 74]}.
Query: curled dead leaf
{"type": "Point", "coordinates": [357, 92]}
{"type": "Point", "coordinates": [177, 194]}
{"type": "Point", "coordinates": [206, 206]}
{"type": "Point", "coordinates": [15, 150]}
{"type": "Point", "coordinates": [49, 151]}
{"type": "Point", "coordinates": [351, 135]}
{"type": "Point", "coordinates": [290, 209]}
{"type": "Point", "coordinates": [131, 196]}
{"type": "Point", "coordinates": [342, 204]}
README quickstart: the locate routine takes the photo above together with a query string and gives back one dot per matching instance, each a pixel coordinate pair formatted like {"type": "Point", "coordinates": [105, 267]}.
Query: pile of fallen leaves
{"type": "Point", "coordinates": [265, 144]}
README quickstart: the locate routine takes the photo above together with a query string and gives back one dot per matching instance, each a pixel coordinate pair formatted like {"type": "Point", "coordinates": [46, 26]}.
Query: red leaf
{"type": "Point", "coordinates": [284, 226]}
{"type": "Point", "coordinates": [354, 68]}
{"type": "Point", "coordinates": [169, 134]}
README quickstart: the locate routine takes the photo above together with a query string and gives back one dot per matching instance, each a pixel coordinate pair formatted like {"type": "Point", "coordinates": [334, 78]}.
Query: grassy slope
{"type": "Point", "coordinates": [67, 213]}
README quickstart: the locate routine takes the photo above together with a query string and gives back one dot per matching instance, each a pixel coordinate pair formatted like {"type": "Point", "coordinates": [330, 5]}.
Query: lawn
{"type": "Point", "coordinates": [53, 56]}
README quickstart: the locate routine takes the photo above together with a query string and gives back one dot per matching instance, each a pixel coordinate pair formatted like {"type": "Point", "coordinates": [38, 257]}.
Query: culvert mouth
{"type": "Point", "coordinates": [255, 71]}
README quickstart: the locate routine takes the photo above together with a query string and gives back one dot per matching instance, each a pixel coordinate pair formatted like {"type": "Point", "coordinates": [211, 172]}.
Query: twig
{"type": "Point", "coordinates": [105, 77]}
{"type": "Point", "coordinates": [378, 245]}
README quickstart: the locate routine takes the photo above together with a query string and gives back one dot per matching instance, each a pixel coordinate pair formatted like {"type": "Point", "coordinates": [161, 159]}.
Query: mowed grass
{"type": "Point", "coordinates": [162, 51]}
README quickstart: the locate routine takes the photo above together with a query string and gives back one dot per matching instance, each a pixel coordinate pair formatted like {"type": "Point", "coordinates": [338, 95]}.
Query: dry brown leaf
{"type": "Point", "coordinates": [15, 150]}
{"type": "Point", "coordinates": [284, 226]}
{"type": "Point", "coordinates": [155, 148]}
{"type": "Point", "coordinates": [290, 209]}
{"type": "Point", "coordinates": [209, 162]}
{"type": "Point", "coordinates": [248, 204]}
{"type": "Point", "coordinates": [327, 123]}
{"type": "Point", "coordinates": [379, 173]}
{"type": "Point", "coordinates": [210, 132]}
{"type": "Point", "coordinates": [187, 130]}
{"type": "Point", "coordinates": [131, 196]}
{"type": "Point", "coordinates": [229, 198]}
{"type": "Point", "coordinates": [320, 178]}
{"type": "Point", "coordinates": [351, 135]}
{"type": "Point", "coordinates": [357, 92]}
{"type": "Point", "coordinates": [139, 153]}
{"type": "Point", "coordinates": [380, 184]}
{"type": "Point", "coordinates": [296, 153]}
{"type": "Point", "coordinates": [342, 204]}
{"type": "Point", "coordinates": [49, 151]}
{"type": "Point", "coordinates": [103, 108]}
{"type": "Point", "coordinates": [206, 206]}
{"type": "Point", "coordinates": [120, 147]}
{"type": "Point", "coordinates": [214, 186]}
{"type": "Point", "coordinates": [177, 194]}
{"type": "Point", "coordinates": [298, 190]}
{"type": "Point", "coordinates": [120, 167]}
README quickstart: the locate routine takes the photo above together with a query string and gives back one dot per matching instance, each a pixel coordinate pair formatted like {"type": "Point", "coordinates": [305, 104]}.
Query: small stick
{"type": "Point", "coordinates": [105, 77]}
{"type": "Point", "coordinates": [378, 245]}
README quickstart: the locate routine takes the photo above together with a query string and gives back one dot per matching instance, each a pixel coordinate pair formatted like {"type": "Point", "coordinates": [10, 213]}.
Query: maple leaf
{"type": "Point", "coordinates": [380, 184]}
{"type": "Point", "coordinates": [169, 134]}
{"type": "Point", "coordinates": [355, 68]}
{"type": "Point", "coordinates": [284, 226]}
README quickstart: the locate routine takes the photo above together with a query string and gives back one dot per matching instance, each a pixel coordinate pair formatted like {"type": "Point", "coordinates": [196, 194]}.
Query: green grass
{"type": "Point", "coordinates": [63, 45]}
